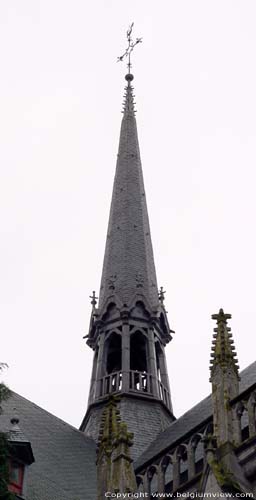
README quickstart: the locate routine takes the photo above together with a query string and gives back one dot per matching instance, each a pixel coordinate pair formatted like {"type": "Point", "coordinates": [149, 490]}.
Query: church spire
{"type": "Point", "coordinates": [129, 262]}
{"type": "Point", "coordinates": [129, 328]}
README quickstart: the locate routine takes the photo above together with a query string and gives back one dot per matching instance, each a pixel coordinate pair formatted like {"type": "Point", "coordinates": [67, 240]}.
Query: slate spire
{"type": "Point", "coordinates": [129, 328]}
{"type": "Point", "coordinates": [128, 262]}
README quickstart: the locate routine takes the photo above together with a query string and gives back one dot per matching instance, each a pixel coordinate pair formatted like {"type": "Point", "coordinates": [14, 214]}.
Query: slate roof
{"type": "Point", "coordinates": [190, 420]}
{"type": "Point", "coordinates": [64, 467]}
{"type": "Point", "coordinates": [128, 261]}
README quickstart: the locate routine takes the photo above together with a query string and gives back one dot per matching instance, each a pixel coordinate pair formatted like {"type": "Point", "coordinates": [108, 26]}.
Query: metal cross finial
{"type": "Point", "coordinates": [161, 295]}
{"type": "Point", "coordinates": [94, 299]}
{"type": "Point", "coordinates": [130, 48]}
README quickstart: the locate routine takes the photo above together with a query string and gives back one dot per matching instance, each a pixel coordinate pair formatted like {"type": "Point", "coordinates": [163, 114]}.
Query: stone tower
{"type": "Point", "coordinates": [129, 329]}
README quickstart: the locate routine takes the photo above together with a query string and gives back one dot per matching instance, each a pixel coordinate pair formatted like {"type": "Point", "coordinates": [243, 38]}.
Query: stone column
{"type": "Point", "coordinates": [176, 472]}
{"type": "Point", "coordinates": [152, 368]}
{"type": "Point", "coordinates": [164, 377]}
{"type": "Point", "coordinates": [99, 371]}
{"type": "Point", "coordinates": [160, 480]}
{"type": "Point", "coordinates": [237, 412]}
{"type": "Point", "coordinates": [251, 415]}
{"type": "Point", "coordinates": [191, 460]}
{"type": "Point", "coordinates": [93, 377]}
{"type": "Point", "coordinates": [146, 483]}
{"type": "Point", "coordinates": [125, 357]}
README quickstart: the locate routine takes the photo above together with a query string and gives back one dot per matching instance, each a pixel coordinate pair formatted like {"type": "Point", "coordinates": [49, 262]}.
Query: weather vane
{"type": "Point", "coordinates": [130, 48]}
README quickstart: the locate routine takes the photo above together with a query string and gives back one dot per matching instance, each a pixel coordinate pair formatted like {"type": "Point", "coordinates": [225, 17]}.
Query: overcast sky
{"type": "Point", "coordinates": [60, 98]}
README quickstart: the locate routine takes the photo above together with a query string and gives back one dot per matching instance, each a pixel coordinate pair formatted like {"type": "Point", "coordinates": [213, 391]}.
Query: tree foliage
{"type": "Point", "coordinates": [4, 470]}
{"type": "Point", "coordinates": [4, 391]}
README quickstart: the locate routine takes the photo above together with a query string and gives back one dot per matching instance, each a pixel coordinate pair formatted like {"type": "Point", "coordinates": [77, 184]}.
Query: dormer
{"type": "Point", "coordinates": [20, 458]}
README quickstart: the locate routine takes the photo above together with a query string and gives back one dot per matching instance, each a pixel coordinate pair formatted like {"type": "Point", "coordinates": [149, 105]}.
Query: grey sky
{"type": "Point", "coordinates": [60, 96]}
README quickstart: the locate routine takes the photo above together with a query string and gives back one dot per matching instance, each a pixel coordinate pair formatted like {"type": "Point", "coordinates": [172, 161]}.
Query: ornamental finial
{"type": "Point", "coordinates": [223, 351]}
{"type": "Point", "coordinates": [221, 317]}
{"type": "Point", "coordinates": [94, 300]}
{"type": "Point", "coordinates": [128, 51]}
{"type": "Point", "coordinates": [161, 295]}
{"type": "Point", "coordinates": [15, 418]}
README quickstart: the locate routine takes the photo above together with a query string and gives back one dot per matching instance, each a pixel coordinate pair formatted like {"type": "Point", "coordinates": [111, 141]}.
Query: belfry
{"type": "Point", "coordinates": [129, 329]}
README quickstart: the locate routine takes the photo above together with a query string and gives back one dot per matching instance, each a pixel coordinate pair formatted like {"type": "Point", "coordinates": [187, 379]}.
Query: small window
{"type": "Point", "coordinates": [16, 474]}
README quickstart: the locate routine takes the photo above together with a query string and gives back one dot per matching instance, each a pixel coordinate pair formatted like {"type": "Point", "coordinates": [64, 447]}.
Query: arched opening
{"type": "Point", "coordinates": [152, 480]}
{"type": "Point", "coordinates": [162, 376]}
{"type": "Point", "coordinates": [112, 375]}
{"type": "Point", "coordinates": [114, 353]}
{"type": "Point", "coordinates": [138, 352]}
{"type": "Point", "coordinates": [158, 359]}
{"type": "Point", "coordinates": [140, 486]}
{"type": "Point", "coordinates": [140, 310]}
{"type": "Point", "coordinates": [95, 362]}
{"type": "Point", "coordinates": [94, 374]}
{"type": "Point", "coordinates": [110, 312]}
{"type": "Point", "coordinates": [245, 424]}
{"type": "Point", "coordinates": [167, 468]}
{"type": "Point", "coordinates": [197, 451]}
{"type": "Point", "coordinates": [139, 380]}
{"type": "Point", "coordinates": [182, 459]}
{"type": "Point", "coordinates": [163, 323]}
{"type": "Point", "coordinates": [199, 455]}
{"type": "Point", "coordinates": [208, 430]}
{"type": "Point", "coordinates": [251, 407]}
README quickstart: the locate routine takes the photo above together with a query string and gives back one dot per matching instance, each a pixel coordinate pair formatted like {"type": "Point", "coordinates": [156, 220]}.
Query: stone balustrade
{"type": "Point", "coordinates": [111, 383]}
{"type": "Point", "coordinates": [138, 382]}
